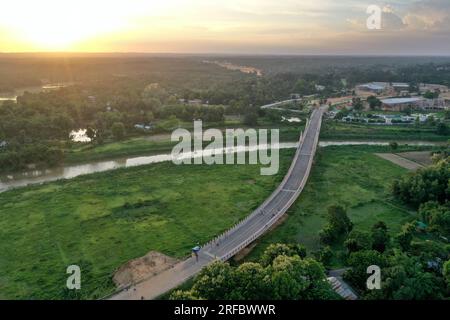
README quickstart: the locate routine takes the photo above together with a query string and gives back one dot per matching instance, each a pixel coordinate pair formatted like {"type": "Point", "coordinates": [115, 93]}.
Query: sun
{"type": "Point", "coordinates": [61, 25]}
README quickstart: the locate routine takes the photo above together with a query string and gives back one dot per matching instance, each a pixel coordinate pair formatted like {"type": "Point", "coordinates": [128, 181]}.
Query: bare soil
{"type": "Point", "coordinates": [422, 157]}
{"type": "Point", "coordinates": [400, 161]}
{"type": "Point", "coordinates": [141, 268]}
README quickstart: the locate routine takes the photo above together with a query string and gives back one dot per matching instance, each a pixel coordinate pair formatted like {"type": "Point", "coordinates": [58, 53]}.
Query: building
{"type": "Point", "coordinates": [372, 87]}
{"type": "Point", "coordinates": [425, 87]}
{"type": "Point", "coordinates": [384, 87]}
{"type": "Point", "coordinates": [401, 104]}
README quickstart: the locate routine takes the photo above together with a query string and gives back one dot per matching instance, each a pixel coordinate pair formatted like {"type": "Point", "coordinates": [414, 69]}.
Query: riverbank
{"type": "Point", "coordinates": [39, 176]}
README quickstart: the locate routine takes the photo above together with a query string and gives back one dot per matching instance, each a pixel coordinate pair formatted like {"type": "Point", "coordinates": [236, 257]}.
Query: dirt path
{"type": "Point", "coordinates": [400, 161]}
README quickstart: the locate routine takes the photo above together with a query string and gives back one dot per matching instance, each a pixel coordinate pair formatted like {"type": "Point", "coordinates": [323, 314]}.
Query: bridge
{"type": "Point", "coordinates": [247, 231]}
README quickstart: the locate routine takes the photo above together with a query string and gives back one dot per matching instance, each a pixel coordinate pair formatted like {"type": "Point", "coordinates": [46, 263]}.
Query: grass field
{"type": "Point", "coordinates": [100, 221]}
{"type": "Point", "coordinates": [338, 131]}
{"type": "Point", "coordinates": [351, 176]}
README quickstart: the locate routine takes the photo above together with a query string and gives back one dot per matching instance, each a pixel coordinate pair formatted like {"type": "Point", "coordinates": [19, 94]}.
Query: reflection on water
{"type": "Point", "coordinates": [68, 172]}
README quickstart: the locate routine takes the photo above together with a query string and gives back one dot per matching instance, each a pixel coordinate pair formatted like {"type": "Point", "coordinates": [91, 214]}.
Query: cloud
{"type": "Point", "coordinates": [390, 20]}
{"type": "Point", "coordinates": [432, 15]}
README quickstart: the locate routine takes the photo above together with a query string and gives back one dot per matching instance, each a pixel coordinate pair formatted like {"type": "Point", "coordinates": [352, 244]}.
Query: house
{"type": "Point", "coordinates": [374, 87]}
{"type": "Point", "coordinates": [400, 86]}
{"type": "Point", "coordinates": [400, 104]}
{"type": "Point", "coordinates": [295, 96]}
{"type": "Point", "coordinates": [384, 87]}
{"type": "Point", "coordinates": [425, 87]}
{"type": "Point", "coordinates": [3, 144]}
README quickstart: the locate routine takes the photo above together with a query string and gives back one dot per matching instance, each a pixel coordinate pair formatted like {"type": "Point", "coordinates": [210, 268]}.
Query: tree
{"type": "Point", "coordinates": [393, 145]}
{"type": "Point", "coordinates": [325, 255]}
{"type": "Point", "coordinates": [442, 129]}
{"type": "Point", "coordinates": [359, 262]}
{"type": "Point", "coordinates": [91, 133]}
{"type": "Point", "coordinates": [446, 272]}
{"type": "Point", "coordinates": [285, 278]}
{"type": "Point", "coordinates": [380, 237]}
{"type": "Point", "coordinates": [405, 237]}
{"type": "Point", "coordinates": [407, 280]}
{"type": "Point", "coordinates": [447, 114]}
{"type": "Point", "coordinates": [374, 102]}
{"type": "Point", "coordinates": [357, 104]}
{"type": "Point", "coordinates": [118, 130]}
{"type": "Point", "coordinates": [215, 282]}
{"type": "Point", "coordinates": [337, 217]}
{"type": "Point", "coordinates": [338, 224]}
{"type": "Point", "coordinates": [275, 250]}
{"type": "Point", "coordinates": [251, 119]}
{"type": "Point", "coordinates": [427, 184]}
{"type": "Point", "coordinates": [358, 240]}
{"type": "Point", "coordinates": [431, 95]}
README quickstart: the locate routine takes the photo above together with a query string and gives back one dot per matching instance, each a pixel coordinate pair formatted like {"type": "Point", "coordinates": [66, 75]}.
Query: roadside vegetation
{"type": "Point", "coordinates": [283, 273]}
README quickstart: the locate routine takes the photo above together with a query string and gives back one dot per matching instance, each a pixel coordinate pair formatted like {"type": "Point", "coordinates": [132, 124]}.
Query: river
{"type": "Point", "coordinates": [30, 177]}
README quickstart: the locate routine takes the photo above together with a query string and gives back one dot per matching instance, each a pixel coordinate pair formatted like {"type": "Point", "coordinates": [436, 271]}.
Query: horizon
{"type": "Point", "coordinates": [223, 54]}
{"type": "Point", "coordinates": [268, 27]}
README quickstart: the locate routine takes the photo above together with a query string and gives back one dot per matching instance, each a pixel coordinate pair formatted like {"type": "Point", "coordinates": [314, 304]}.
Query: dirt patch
{"type": "Point", "coordinates": [141, 268]}
{"type": "Point", "coordinates": [400, 161]}
{"type": "Point", "coordinates": [421, 157]}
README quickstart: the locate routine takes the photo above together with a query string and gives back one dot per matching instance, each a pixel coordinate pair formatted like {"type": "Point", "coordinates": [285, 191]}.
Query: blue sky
{"type": "Point", "coordinates": [212, 26]}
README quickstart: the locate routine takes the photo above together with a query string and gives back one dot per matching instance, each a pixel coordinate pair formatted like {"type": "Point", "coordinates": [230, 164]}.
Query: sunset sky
{"type": "Point", "coordinates": [216, 26]}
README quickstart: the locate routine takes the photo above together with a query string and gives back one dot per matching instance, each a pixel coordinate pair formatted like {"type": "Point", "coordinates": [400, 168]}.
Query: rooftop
{"type": "Point", "coordinates": [400, 100]}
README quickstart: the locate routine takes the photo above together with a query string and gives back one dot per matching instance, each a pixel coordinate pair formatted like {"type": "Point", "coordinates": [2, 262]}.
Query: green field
{"type": "Point", "coordinates": [341, 131]}
{"type": "Point", "coordinates": [101, 221]}
{"type": "Point", "coordinates": [351, 176]}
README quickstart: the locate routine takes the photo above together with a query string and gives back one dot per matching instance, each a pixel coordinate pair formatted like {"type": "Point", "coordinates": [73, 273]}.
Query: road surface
{"type": "Point", "coordinates": [231, 242]}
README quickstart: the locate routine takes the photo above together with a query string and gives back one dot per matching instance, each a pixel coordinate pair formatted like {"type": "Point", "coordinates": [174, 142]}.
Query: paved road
{"type": "Point", "coordinates": [227, 245]}
{"type": "Point", "coordinates": [276, 105]}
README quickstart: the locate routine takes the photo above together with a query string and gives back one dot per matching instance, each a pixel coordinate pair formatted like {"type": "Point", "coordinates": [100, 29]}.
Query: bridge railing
{"type": "Point", "coordinates": [227, 233]}
{"type": "Point", "coordinates": [281, 212]}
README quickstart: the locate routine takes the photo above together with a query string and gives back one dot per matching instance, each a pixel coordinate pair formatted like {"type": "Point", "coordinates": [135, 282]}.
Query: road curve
{"type": "Point", "coordinates": [241, 235]}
